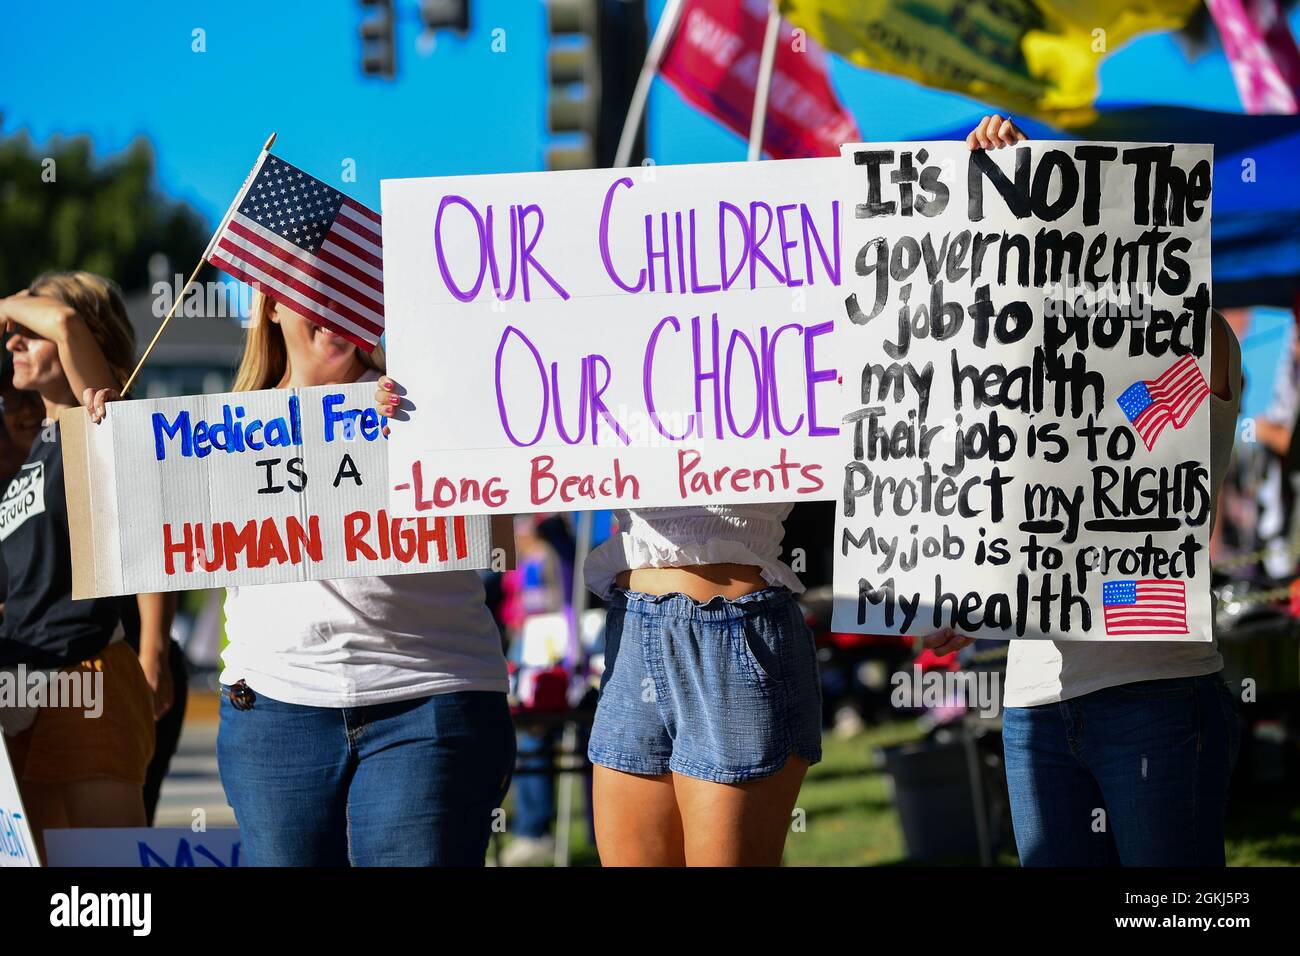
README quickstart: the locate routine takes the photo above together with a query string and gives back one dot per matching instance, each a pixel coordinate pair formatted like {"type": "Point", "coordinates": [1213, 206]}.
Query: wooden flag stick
{"type": "Point", "coordinates": [188, 282]}
{"type": "Point", "coordinates": [766, 63]}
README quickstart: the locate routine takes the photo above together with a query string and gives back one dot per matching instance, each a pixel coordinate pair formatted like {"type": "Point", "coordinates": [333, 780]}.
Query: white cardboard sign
{"type": "Point", "coordinates": [1026, 357]}
{"type": "Point", "coordinates": [626, 337]}
{"type": "Point", "coordinates": [17, 845]}
{"type": "Point", "coordinates": [244, 488]}
{"type": "Point", "coordinates": [173, 847]}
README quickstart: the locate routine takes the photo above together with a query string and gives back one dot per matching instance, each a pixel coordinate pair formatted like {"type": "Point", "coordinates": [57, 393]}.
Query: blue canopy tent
{"type": "Point", "coordinates": [1256, 226]}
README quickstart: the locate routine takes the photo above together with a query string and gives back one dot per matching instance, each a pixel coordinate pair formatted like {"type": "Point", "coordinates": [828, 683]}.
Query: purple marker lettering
{"type": "Point", "coordinates": [769, 357]}
{"type": "Point", "coordinates": [702, 376]}
{"type": "Point", "coordinates": [604, 240]}
{"type": "Point", "coordinates": [813, 376]}
{"type": "Point", "coordinates": [582, 403]}
{"type": "Point", "coordinates": [442, 259]}
{"type": "Point", "coordinates": [696, 287]}
{"type": "Point", "coordinates": [651, 255]}
{"type": "Point", "coordinates": [786, 243]}
{"type": "Point", "coordinates": [810, 235]}
{"type": "Point", "coordinates": [647, 380]}
{"type": "Point", "coordinates": [725, 208]}
{"type": "Point", "coordinates": [501, 400]}
{"type": "Point", "coordinates": [756, 254]}
{"type": "Point", "coordinates": [598, 406]}
{"type": "Point", "coordinates": [509, 293]}
{"type": "Point", "coordinates": [681, 254]}
{"type": "Point", "coordinates": [530, 243]}
{"type": "Point", "coordinates": [740, 337]}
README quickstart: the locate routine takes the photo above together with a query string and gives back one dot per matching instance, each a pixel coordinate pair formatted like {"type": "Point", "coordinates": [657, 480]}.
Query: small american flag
{"type": "Point", "coordinates": [307, 245]}
{"type": "Point", "coordinates": [1148, 606]}
{"type": "Point", "coordinates": [1172, 397]}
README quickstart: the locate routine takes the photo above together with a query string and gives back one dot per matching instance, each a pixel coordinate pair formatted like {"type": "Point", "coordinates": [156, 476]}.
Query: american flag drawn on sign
{"type": "Point", "coordinates": [1148, 606]}
{"type": "Point", "coordinates": [1171, 398]}
{"type": "Point", "coordinates": [306, 245]}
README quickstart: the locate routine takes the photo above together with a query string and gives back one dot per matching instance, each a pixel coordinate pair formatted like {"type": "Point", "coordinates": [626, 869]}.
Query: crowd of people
{"type": "Point", "coordinates": [365, 721]}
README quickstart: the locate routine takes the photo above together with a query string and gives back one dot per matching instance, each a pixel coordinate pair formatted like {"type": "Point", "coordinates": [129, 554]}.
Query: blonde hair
{"type": "Point", "coordinates": [99, 303]}
{"type": "Point", "coordinates": [265, 357]}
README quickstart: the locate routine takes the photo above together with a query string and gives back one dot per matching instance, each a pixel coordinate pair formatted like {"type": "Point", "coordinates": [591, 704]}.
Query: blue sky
{"type": "Point", "coordinates": [116, 71]}
{"type": "Point", "coordinates": [293, 66]}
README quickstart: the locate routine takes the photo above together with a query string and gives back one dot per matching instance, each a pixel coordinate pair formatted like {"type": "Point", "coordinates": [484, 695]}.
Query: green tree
{"type": "Point", "coordinates": [60, 208]}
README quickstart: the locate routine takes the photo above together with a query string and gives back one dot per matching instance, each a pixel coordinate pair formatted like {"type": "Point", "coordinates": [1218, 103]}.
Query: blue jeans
{"type": "Point", "coordinates": [1134, 775]}
{"type": "Point", "coordinates": [411, 783]}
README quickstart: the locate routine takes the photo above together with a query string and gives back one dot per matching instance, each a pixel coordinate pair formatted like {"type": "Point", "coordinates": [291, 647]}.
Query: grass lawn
{"type": "Point", "coordinates": [848, 816]}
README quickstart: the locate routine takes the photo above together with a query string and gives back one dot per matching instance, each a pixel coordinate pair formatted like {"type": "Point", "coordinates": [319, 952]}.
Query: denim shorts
{"type": "Point", "coordinates": [723, 691]}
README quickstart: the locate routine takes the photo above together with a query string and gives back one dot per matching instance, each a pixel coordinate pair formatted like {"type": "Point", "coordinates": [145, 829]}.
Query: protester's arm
{"type": "Point", "coordinates": [82, 359]}
{"type": "Point", "coordinates": [156, 614]}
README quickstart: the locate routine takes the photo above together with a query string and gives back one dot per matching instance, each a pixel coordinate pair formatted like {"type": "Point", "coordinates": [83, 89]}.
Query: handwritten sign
{"type": "Point", "coordinates": [1025, 352]}
{"type": "Point", "coordinates": [576, 340]}
{"type": "Point", "coordinates": [17, 845]}
{"type": "Point", "coordinates": [244, 488]}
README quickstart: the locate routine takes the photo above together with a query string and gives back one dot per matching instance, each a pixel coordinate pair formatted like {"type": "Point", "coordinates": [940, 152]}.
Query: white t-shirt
{"type": "Point", "coordinates": [694, 535]}
{"type": "Point", "coordinates": [1046, 672]}
{"type": "Point", "coordinates": [357, 641]}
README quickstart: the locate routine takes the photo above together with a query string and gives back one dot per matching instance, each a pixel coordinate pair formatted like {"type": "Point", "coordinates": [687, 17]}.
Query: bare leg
{"type": "Point", "coordinates": [637, 823]}
{"type": "Point", "coordinates": [741, 824]}
{"type": "Point", "coordinates": [45, 811]}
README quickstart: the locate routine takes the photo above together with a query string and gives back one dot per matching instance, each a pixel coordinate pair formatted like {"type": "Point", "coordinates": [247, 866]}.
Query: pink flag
{"type": "Point", "coordinates": [712, 61]}
{"type": "Point", "coordinates": [1262, 51]}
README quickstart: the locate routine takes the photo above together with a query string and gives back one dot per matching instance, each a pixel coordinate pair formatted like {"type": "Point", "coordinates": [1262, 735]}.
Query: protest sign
{"type": "Point", "coordinates": [244, 488]}
{"type": "Point", "coordinates": [1025, 355]}
{"type": "Point", "coordinates": [17, 845]}
{"type": "Point", "coordinates": [577, 340]}
{"type": "Point", "coordinates": [143, 847]}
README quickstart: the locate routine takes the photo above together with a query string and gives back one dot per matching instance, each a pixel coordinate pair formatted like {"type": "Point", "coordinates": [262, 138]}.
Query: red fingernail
{"type": "Point", "coordinates": [388, 386]}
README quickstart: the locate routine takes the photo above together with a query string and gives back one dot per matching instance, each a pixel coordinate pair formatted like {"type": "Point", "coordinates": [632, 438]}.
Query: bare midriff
{"type": "Point", "coordinates": [701, 582]}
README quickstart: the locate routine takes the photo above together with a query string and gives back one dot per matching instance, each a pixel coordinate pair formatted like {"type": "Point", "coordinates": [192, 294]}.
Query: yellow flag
{"type": "Point", "coordinates": [1037, 57]}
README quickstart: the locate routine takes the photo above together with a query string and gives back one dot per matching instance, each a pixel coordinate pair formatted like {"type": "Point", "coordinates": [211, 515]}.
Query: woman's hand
{"type": "Point", "coordinates": [946, 641]}
{"type": "Point", "coordinates": [994, 132]}
{"type": "Point", "coordinates": [96, 398]}
{"type": "Point", "coordinates": [387, 399]}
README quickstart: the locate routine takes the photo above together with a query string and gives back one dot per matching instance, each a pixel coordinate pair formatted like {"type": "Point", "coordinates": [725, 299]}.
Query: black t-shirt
{"type": "Point", "coordinates": [42, 625]}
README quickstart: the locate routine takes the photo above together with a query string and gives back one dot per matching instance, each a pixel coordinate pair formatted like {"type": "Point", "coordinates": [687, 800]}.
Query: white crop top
{"type": "Point", "coordinates": [700, 534]}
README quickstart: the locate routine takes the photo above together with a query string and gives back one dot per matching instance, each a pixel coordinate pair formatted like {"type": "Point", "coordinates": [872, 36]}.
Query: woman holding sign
{"type": "Point", "coordinates": [710, 705]}
{"type": "Point", "coordinates": [1121, 752]}
{"type": "Point", "coordinates": [363, 720]}
{"type": "Point", "coordinates": [65, 332]}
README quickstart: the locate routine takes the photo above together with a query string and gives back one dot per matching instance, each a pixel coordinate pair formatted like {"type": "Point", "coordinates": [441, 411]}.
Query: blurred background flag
{"type": "Point", "coordinates": [308, 246]}
{"type": "Point", "coordinates": [1036, 57]}
{"type": "Point", "coordinates": [1258, 43]}
{"type": "Point", "coordinates": [712, 60]}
